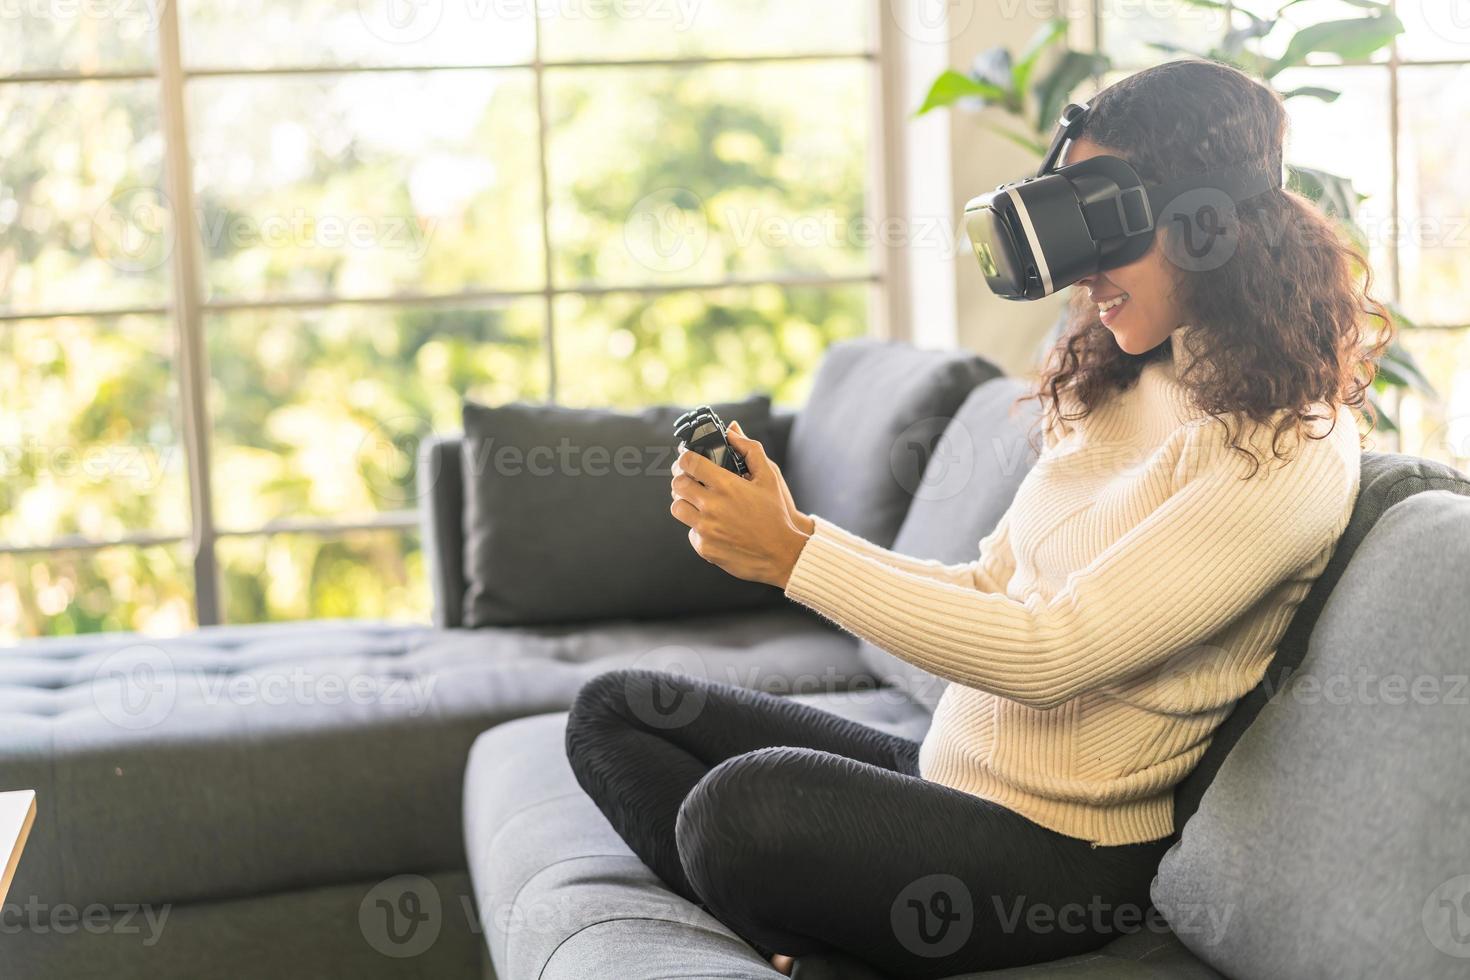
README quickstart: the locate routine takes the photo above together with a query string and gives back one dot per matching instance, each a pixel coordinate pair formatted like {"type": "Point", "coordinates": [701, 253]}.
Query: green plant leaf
{"type": "Point", "coordinates": [1046, 36]}
{"type": "Point", "coordinates": [1169, 47]}
{"type": "Point", "coordinates": [950, 87]}
{"type": "Point", "coordinates": [1029, 142]}
{"type": "Point", "coordinates": [1398, 367]}
{"type": "Point", "coordinates": [993, 66]}
{"type": "Point", "coordinates": [1236, 40]}
{"type": "Point", "coordinates": [1055, 86]}
{"type": "Point", "coordinates": [1365, 4]}
{"type": "Point", "coordinates": [1312, 92]}
{"type": "Point", "coordinates": [1385, 420]}
{"type": "Point", "coordinates": [1356, 37]}
{"type": "Point", "coordinates": [1334, 194]}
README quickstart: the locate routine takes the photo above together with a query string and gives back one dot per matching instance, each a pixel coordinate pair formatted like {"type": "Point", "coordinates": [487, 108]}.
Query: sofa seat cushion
{"type": "Point", "coordinates": [1334, 835]}
{"type": "Point", "coordinates": [561, 897]}
{"type": "Point", "coordinates": [238, 761]}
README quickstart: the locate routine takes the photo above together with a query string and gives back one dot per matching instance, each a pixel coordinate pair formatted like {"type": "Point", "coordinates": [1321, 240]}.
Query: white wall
{"type": "Point", "coordinates": [949, 158]}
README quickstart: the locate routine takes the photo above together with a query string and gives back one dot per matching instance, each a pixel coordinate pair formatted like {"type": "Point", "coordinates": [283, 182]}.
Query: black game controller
{"type": "Point", "coordinates": [701, 431]}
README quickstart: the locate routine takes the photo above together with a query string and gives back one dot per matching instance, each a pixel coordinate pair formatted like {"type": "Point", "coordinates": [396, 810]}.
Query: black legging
{"type": "Point", "coordinates": [805, 832]}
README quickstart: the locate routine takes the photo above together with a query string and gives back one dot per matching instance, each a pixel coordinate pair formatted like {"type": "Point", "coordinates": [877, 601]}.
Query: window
{"type": "Point", "coordinates": [250, 254]}
{"type": "Point", "coordinates": [1395, 131]}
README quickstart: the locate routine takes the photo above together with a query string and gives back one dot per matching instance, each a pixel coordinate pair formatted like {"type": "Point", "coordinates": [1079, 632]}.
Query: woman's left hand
{"type": "Point", "coordinates": [743, 526]}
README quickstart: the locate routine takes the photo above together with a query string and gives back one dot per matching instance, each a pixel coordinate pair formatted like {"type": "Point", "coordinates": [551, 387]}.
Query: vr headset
{"type": "Point", "coordinates": [1041, 234]}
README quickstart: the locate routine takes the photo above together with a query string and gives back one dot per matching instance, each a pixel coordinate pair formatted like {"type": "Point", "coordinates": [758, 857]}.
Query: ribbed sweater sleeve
{"type": "Point", "coordinates": [1213, 549]}
{"type": "Point", "coordinates": [989, 573]}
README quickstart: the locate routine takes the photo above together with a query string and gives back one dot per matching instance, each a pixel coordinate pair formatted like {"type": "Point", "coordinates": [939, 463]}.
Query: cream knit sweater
{"type": "Point", "coordinates": [1135, 589]}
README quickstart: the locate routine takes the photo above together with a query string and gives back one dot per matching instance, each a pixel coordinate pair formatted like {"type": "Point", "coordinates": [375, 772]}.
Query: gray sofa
{"type": "Point", "coordinates": [377, 800]}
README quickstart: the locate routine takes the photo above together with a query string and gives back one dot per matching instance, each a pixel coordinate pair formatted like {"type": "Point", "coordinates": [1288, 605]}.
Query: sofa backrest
{"type": "Point", "coordinates": [1332, 843]}
{"type": "Point", "coordinates": [862, 441]}
{"type": "Point", "coordinates": [850, 454]}
{"type": "Point", "coordinates": [973, 472]}
{"type": "Point", "coordinates": [1387, 479]}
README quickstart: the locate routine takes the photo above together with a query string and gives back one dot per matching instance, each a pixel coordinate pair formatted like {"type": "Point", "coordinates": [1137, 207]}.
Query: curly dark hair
{"type": "Point", "coordinates": [1275, 330]}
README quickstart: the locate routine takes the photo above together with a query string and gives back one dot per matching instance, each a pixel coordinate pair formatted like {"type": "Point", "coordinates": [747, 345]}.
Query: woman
{"type": "Point", "coordinates": [1193, 482]}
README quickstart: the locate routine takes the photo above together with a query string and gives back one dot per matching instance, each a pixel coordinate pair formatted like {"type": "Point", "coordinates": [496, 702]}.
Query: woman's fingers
{"type": "Point", "coordinates": [701, 469]}
{"type": "Point", "coordinates": [754, 452]}
{"type": "Point", "coordinates": [684, 512]}
{"type": "Point", "coordinates": [685, 487]}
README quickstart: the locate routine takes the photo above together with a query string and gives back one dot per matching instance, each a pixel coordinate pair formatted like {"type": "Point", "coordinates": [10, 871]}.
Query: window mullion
{"type": "Point", "coordinates": [544, 176]}
{"type": "Point", "coordinates": [191, 363]}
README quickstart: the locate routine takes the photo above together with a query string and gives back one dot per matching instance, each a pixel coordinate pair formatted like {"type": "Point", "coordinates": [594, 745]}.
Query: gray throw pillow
{"type": "Point", "coordinates": [859, 447]}
{"type": "Point", "coordinates": [567, 517]}
{"type": "Point", "coordinates": [973, 472]}
{"type": "Point", "coordinates": [1333, 841]}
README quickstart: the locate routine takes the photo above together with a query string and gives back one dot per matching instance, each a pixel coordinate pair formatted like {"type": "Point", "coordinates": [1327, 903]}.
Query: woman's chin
{"type": "Point", "coordinates": [1129, 339]}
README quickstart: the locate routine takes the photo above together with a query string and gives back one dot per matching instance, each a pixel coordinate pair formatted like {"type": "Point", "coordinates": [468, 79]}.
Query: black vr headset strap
{"type": "Point", "coordinates": [1069, 126]}
{"type": "Point", "coordinates": [1239, 185]}
{"type": "Point", "coordinates": [1134, 210]}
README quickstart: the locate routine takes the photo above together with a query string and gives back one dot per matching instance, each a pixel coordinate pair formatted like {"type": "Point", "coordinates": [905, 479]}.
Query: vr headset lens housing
{"type": "Point", "coordinates": [1044, 233]}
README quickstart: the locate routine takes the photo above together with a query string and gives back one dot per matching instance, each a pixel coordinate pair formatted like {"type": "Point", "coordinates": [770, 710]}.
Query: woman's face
{"type": "Point", "coordinates": [1135, 301]}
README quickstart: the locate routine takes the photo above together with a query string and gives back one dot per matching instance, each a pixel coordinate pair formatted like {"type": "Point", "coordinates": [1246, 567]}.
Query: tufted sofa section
{"type": "Point", "coordinates": [235, 763]}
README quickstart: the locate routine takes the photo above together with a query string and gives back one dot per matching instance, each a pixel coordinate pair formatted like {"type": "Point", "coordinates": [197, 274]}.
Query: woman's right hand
{"type": "Point", "coordinates": [744, 444]}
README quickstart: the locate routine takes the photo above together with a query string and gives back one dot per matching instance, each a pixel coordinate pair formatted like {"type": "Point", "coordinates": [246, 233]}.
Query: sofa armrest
{"type": "Point", "coordinates": [441, 522]}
